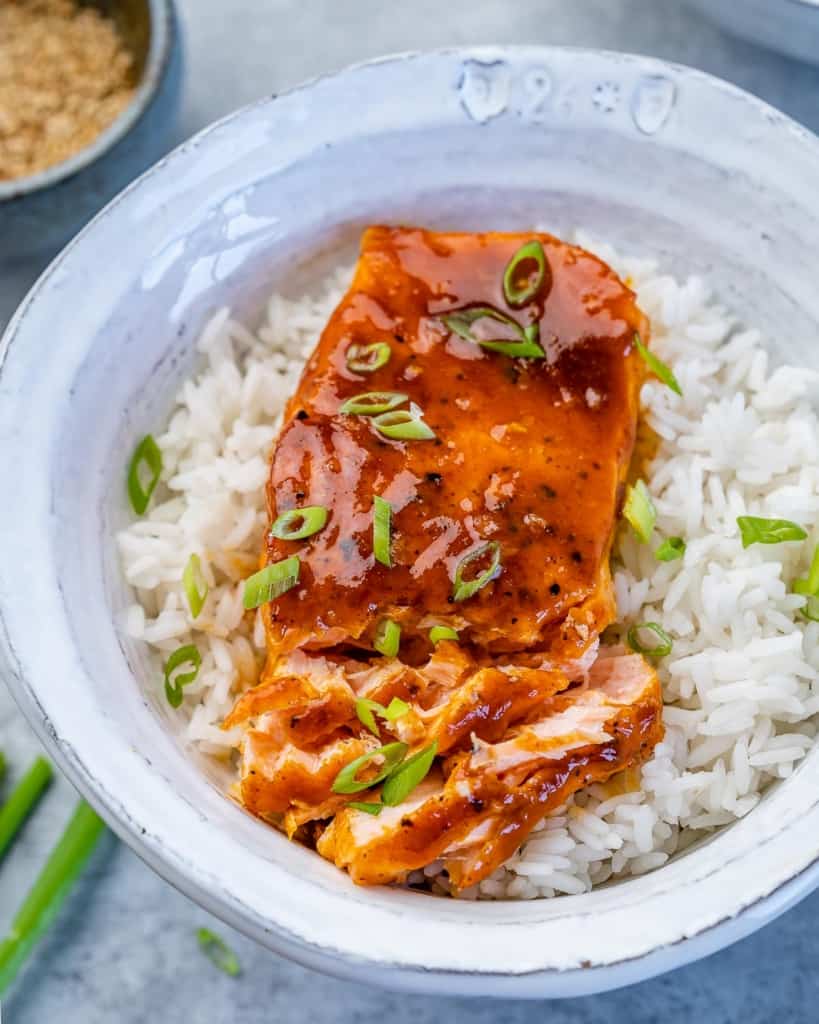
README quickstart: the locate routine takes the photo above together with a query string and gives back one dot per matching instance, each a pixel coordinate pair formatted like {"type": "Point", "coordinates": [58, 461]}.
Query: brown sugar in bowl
{"type": "Point", "coordinates": [87, 96]}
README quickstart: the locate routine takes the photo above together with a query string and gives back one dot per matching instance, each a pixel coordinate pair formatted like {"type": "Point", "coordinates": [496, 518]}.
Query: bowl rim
{"type": "Point", "coordinates": [535, 983]}
{"type": "Point", "coordinates": [162, 33]}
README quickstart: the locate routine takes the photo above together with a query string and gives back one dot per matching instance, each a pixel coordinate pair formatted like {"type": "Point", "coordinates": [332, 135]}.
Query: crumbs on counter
{"type": "Point", "coordinates": [65, 75]}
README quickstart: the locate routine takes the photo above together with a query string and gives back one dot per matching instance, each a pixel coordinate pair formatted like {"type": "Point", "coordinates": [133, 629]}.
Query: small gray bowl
{"type": "Point", "coordinates": [41, 211]}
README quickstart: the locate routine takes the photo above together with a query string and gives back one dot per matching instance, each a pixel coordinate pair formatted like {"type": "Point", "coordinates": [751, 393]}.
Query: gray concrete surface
{"type": "Point", "coordinates": [123, 951]}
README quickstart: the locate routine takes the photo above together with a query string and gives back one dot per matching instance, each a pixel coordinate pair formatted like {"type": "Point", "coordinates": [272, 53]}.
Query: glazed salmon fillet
{"type": "Point", "coordinates": [528, 453]}
{"type": "Point", "coordinates": [458, 446]}
{"type": "Point", "coordinates": [493, 795]}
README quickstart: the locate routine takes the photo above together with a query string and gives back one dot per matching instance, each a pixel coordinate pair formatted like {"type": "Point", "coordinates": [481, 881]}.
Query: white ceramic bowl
{"type": "Point", "coordinates": [656, 158]}
{"type": "Point", "coordinates": [789, 26]}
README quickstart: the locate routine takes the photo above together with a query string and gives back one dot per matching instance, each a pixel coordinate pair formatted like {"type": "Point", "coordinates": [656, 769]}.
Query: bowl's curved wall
{"type": "Point", "coordinates": [653, 157]}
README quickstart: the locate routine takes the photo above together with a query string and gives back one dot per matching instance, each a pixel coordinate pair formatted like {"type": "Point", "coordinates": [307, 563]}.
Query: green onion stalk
{"type": "Point", "coordinates": [22, 800]}
{"type": "Point", "coordinates": [47, 894]}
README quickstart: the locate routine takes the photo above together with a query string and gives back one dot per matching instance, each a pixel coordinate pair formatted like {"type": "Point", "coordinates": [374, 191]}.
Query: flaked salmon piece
{"type": "Point", "coordinates": [449, 701]}
{"type": "Point", "coordinates": [276, 777]}
{"type": "Point", "coordinates": [311, 694]}
{"type": "Point", "coordinates": [475, 818]}
{"type": "Point", "coordinates": [530, 454]}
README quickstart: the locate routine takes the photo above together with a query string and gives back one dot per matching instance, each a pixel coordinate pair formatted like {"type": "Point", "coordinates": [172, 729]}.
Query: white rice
{"type": "Point", "coordinates": [741, 684]}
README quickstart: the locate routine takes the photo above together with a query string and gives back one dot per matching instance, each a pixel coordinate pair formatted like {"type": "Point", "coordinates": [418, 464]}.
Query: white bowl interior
{"type": "Point", "coordinates": [634, 150]}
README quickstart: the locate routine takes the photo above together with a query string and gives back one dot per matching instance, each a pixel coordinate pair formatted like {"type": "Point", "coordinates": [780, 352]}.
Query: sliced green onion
{"type": "Point", "coordinates": [387, 638]}
{"type": "Point", "coordinates": [463, 589]}
{"type": "Point", "coordinates": [527, 349]}
{"type": "Point", "coordinates": [382, 516]}
{"type": "Point", "coordinates": [407, 775]}
{"type": "Point", "coordinates": [360, 805]}
{"type": "Point", "coordinates": [218, 952]}
{"type": "Point", "coordinates": [640, 512]}
{"type": "Point", "coordinates": [396, 709]}
{"type": "Point", "coordinates": [22, 800]}
{"type": "Point", "coordinates": [368, 358]}
{"type": "Point", "coordinates": [196, 588]}
{"type": "Point", "coordinates": [370, 403]}
{"type": "Point", "coordinates": [271, 582]}
{"type": "Point", "coordinates": [364, 709]}
{"type": "Point", "coordinates": [755, 530]}
{"type": "Point", "coordinates": [657, 366]}
{"type": "Point", "coordinates": [298, 523]}
{"type": "Point", "coordinates": [813, 573]}
{"type": "Point", "coordinates": [46, 896]}
{"type": "Point", "coordinates": [518, 293]}
{"type": "Point", "coordinates": [523, 346]}
{"type": "Point", "coordinates": [439, 633]}
{"type": "Point", "coordinates": [347, 781]}
{"type": "Point", "coordinates": [185, 655]}
{"type": "Point", "coordinates": [403, 425]}
{"type": "Point", "coordinates": [670, 549]}
{"type": "Point", "coordinates": [661, 649]}
{"type": "Point", "coordinates": [809, 587]}
{"type": "Point", "coordinates": [146, 454]}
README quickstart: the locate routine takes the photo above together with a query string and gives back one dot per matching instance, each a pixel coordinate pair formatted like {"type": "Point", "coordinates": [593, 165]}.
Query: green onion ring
{"type": "Point", "coordinates": [809, 587]}
{"type": "Point", "coordinates": [387, 638]}
{"type": "Point", "coordinates": [670, 549]}
{"type": "Point", "coordinates": [811, 609]}
{"type": "Point", "coordinates": [147, 452]}
{"type": "Point", "coordinates": [367, 709]}
{"type": "Point", "coordinates": [370, 403]}
{"type": "Point", "coordinates": [408, 775]}
{"type": "Point", "coordinates": [519, 296]}
{"type": "Point", "coordinates": [639, 511]}
{"type": "Point", "coordinates": [660, 651]}
{"type": "Point", "coordinates": [364, 709]}
{"type": "Point", "coordinates": [657, 366]}
{"type": "Point", "coordinates": [367, 358]}
{"type": "Point", "coordinates": [218, 952]}
{"type": "Point", "coordinates": [188, 654]}
{"type": "Point", "coordinates": [196, 587]}
{"type": "Point", "coordinates": [298, 523]}
{"type": "Point", "coordinates": [367, 808]}
{"type": "Point", "coordinates": [346, 781]}
{"type": "Point", "coordinates": [526, 347]}
{"type": "Point", "coordinates": [396, 709]}
{"type": "Point", "coordinates": [755, 530]}
{"type": "Point", "coordinates": [439, 633]}
{"type": "Point", "coordinates": [271, 582]}
{"type": "Point", "coordinates": [813, 574]}
{"type": "Point", "coordinates": [382, 517]}
{"type": "Point", "coordinates": [463, 589]}
{"type": "Point", "coordinates": [403, 425]}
